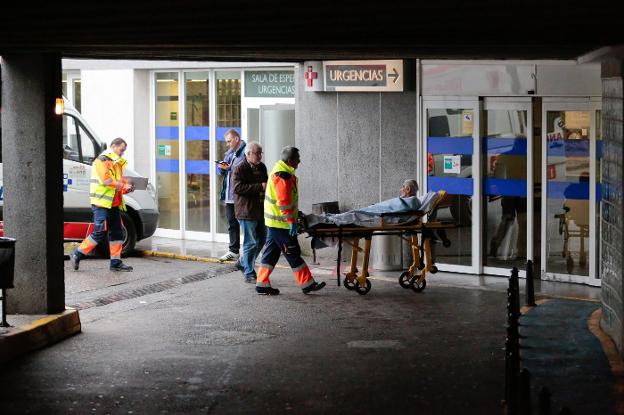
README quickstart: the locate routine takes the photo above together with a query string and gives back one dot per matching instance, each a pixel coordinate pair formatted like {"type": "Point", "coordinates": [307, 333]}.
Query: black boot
{"type": "Point", "coordinates": [74, 259]}
{"type": "Point", "coordinates": [121, 268]}
{"type": "Point", "coordinates": [267, 290]}
{"type": "Point", "coordinates": [315, 286]}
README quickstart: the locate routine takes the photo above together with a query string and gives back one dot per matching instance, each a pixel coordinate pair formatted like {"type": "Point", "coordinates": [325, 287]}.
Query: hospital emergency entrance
{"type": "Point", "coordinates": [523, 181]}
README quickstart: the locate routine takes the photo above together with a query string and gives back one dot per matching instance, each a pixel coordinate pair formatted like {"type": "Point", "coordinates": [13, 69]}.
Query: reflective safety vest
{"type": "Point", "coordinates": [106, 179]}
{"type": "Point", "coordinates": [281, 197]}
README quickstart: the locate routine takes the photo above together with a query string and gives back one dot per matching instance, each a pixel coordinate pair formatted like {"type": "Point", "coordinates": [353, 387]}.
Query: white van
{"type": "Point", "coordinates": [80, 147]}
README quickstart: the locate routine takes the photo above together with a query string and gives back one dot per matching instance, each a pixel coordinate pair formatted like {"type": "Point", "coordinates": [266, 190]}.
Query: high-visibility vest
{"type": "Point", "coordinates": [280, 210]}
{"type": "Point", "coordinates": [101, 192]}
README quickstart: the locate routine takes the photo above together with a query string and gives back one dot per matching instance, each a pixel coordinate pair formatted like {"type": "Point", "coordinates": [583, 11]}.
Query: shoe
{"type": "Point", "coordinates": [74, 260]}
{"type": "Point", "coordinates": [239, 266]}
{"type": "Point", "coordinates": [250, 280]}
{"type": "Point", "coordinates": [267, 290]}
{"type": "Point", "coordinates": [229, 256]}
{"type": "Point", "coordinates": [121, 268]}
{"type": "Point", "coordinates": [315, 286]}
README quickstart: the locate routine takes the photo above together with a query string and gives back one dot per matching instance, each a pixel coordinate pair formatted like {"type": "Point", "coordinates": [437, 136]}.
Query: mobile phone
{"type": "Point", "coordinates": [219, 161]}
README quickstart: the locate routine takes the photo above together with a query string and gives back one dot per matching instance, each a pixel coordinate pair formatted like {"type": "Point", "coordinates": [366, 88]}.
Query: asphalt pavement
{"type": "Point", "coordinates": [191, 337]}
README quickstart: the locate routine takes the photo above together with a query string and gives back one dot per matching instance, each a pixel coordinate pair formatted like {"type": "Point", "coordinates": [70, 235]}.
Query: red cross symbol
{"type": "Point", "coordinates": [310, 76]}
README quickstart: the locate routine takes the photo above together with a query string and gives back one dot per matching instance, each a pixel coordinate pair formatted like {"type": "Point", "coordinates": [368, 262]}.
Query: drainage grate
{"type": "Point", "coordinates": [145, 290]}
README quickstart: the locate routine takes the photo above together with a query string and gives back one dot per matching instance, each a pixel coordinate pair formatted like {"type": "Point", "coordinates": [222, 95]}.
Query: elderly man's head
{"type": "Point", "coordinates": [409, 188]}
{"type": "Point", "coordinates": [253, 152]}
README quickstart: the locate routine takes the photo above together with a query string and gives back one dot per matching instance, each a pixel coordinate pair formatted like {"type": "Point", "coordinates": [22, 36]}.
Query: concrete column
{"type": "Point", "coordinates": [612, 262]}
{"type": "Point", "coordinates": [33, 186]}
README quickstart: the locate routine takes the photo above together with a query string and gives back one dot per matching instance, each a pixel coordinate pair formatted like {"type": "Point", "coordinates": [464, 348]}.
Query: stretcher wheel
{"type": "Point", "coordinates": [433, 269]}
{"type": "Point", "coordinates": [421, 265]}
{"type": "Point", "coordinates": [362, 290]}
{"type": "Point", "coordinates": [349, 285]}
{"type": "Point", "coordinates": [405, 280]}
{"type": "Point", "coordinates": [418, 286]}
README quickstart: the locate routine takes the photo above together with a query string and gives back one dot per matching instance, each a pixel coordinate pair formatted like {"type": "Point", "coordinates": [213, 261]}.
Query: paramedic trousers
{"type": "Point", "coordinates": [279, 241]}
{"type": "Point", "coordinates": [105, 221]}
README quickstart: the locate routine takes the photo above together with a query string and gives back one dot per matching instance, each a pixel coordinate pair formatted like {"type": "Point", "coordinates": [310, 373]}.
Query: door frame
{"type": "Point", "coordinates": [520, 104]}
{"type": "Point", "coordinates": [590, 104]}
{"type": "Point", "coordinates": [469, 103]}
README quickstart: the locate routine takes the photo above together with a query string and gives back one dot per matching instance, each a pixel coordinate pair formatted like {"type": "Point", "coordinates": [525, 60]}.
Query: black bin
{"type": "Point", "coordinates": [325, 207]}
{"type": "Point", "coordinates": [7, 262]}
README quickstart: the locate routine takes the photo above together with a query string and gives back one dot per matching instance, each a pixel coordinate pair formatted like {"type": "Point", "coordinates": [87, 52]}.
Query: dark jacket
{"type": "Point", "coordinates": [232, 158]}
{"type": "Point", "coordinates": [248, 193]}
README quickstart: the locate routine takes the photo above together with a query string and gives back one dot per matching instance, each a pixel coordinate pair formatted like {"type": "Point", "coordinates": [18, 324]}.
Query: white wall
{"type": "Point", "coordinates": [108, 105]}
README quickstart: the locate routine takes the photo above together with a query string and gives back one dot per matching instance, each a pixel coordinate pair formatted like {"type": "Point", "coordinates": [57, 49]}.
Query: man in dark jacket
{"type": "Point", "coordinates": [249, 181]}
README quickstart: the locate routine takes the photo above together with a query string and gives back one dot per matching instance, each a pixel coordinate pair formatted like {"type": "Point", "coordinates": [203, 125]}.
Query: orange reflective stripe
{"type": "Point", "coordinates": [304, 277]}
{"type": "Point", "coordinates": [115, 250]}
{"type": "Point", "coordinates": [87, 245]}
{"type": "Point", "coordinates": [263, 277]}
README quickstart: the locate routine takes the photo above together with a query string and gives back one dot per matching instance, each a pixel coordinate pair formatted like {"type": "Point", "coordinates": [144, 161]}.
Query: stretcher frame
{"type": "Point", "coordinates": [423, 262]}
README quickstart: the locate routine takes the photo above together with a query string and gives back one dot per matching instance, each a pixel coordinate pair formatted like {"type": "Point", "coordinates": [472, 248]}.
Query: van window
{"type": "Point", "coordinates": [78, 145]}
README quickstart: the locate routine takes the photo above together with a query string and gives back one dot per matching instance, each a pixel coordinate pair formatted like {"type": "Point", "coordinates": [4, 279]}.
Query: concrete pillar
{"type": "Point", "coordinates": [33, 186]}
{"type": "Point", "coordinates": [612, 262]}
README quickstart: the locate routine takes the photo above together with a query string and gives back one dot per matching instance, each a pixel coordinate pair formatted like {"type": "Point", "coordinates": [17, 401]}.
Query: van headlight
{"type": "Point", "coordinates": [151, 190]}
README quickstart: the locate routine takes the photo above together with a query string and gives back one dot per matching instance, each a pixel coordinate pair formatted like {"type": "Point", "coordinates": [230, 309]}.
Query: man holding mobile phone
{"type": "Point", "coordinates": [234, 154]}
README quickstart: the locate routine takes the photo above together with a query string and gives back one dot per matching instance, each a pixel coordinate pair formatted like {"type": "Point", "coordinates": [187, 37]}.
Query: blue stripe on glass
{"type": "Point", "coordinates": [598, 191]}
{"type": "Point", "coordinates": [599, 149]}
{"type": "Point", "coordinates": [513, 146]}
{"type": "Point", "coordinates": [568, 148]}
{"type": "Point", "coordinates": [222, 130]}
{"type": "Point", "coordinates": [449, 145]}
{"type": "Point", "coordinates": [166, 133]}
{"type": "Point", "coordinates": [452, 185]}
{"type": "Point", "coordinates": [505, 187]}
{"type": "Point", "coordinates": [197, 167]}
{"type": "Point", "coordinates": [197, 133]}
{"type": "Point", "coordinates": [167, 166]}
{"type": "Point", "coordinates": [568, 190]}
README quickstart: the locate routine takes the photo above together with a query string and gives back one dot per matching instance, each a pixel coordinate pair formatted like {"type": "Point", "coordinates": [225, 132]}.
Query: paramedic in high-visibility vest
{"type": "Point", "coordinates": [280, 218]}
{"type": "Point", "coordinates": [106, 195]}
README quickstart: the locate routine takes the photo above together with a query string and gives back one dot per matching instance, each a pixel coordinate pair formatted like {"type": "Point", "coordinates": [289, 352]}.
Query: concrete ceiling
{"type": "Point", "coordinates": [298, 30]}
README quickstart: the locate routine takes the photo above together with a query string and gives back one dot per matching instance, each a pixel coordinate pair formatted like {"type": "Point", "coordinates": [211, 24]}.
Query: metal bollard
{"type": "Point", "coordinates": [525, 392]}
{"type": "Point", "coordinates": [4, 320]}
{"type": "Point", "coordinates": [530, 285]}
{"type": "Point", "coordinates": [514, 284]}
{"type": "Point", "coordinates": [544, 401]}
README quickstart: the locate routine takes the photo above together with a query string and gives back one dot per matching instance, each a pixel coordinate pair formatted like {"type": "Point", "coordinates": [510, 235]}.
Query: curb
{"type": "Point", "coordinates": [38, 334]}
{"type": "Point", "coordinates": [172, 255]}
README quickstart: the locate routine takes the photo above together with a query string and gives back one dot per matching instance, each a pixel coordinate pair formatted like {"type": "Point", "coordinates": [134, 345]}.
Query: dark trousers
{"type": "Point", "coordinates": [233, 228]}
{"type": "Point", "coordinates": [105, 221]}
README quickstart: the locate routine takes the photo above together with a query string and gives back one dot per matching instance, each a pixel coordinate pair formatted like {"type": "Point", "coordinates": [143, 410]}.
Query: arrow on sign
{"type": "Point", "coordinates": [394, 75]}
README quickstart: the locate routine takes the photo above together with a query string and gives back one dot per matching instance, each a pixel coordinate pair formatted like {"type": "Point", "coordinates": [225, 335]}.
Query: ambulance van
{"type": "Point", "coordinates": [80, 147]}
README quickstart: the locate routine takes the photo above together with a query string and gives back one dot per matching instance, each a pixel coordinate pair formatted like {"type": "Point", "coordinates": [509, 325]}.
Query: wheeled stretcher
{"type": "Point", "coordinates": [417, 231]}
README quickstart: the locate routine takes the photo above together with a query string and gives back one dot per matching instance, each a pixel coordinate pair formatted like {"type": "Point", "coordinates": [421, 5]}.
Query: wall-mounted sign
{"type": "Point", "coordinates": [364, 76]}
{"type": "Point", "coordinates": [313, 76]}
{"type": "Point", "coordinates": [269, 84]}
{"type": "Point", "coordinates": [452, 164]}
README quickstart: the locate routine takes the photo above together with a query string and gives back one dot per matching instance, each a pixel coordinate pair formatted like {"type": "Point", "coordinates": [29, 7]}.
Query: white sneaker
{"type": "Point", "coordinates": [229, 256]}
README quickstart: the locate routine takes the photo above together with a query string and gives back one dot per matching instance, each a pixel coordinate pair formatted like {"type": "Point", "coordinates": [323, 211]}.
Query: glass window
{"type": "Point", "coordinates": [197, 135]}
{"type": "Point", "coordinates": [504, 188]}
{"type": "Point", "coordinates": [78, 145]}
{"type": "Point", "coordinates": [228, 90]}
{"type": "Point", "coordinates": [567, 192]}
{"type": "Point", "coordinates": [167, 149]}
{"type": "Point", "coordinates": [449, 168]}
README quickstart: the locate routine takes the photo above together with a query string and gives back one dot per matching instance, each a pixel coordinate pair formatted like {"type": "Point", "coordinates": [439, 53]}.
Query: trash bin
{"type": "Point", "coordinates": [7, 262]}
{"type": "Point", "coordinates": [386, 253]}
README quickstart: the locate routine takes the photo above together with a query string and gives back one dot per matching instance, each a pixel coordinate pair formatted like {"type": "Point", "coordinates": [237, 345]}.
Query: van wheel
{"type": "Point", "coordinates": [129, 238]}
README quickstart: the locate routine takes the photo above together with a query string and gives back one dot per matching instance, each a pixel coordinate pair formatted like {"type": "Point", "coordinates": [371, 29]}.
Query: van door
{"type": "Point", "coordinates": [79, 152]}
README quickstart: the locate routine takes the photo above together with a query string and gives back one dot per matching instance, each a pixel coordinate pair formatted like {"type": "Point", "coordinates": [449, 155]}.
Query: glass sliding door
{"type": "Point", "coordinates": [167, 149]}
{"type": "Point", "coordinates": [506, 169]}
{"type": "Point", "coordinates": [197, 150]}
{"type": "Point", "coordinates": [569, 202]}
{"type": "Point", "coordinates": [452, 151]}
{"type": "Point", "coordinates": [228, 115]}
